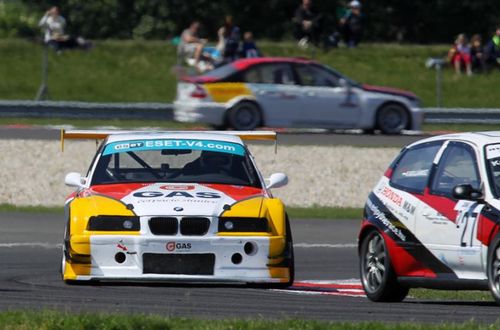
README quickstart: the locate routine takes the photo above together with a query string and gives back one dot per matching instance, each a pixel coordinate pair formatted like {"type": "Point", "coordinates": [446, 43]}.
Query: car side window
{"type": "Point", "coordinates": [314, 76]}
{"type": "Point", "coordinates": [280, 74]}
{"type": "Point", "coordinates": [457, 166]}
{"type": "Point", "coordinates": [412, 170]}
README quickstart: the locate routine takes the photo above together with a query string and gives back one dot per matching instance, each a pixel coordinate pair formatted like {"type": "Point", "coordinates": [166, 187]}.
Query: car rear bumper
{"type": "Point", "coordinates": [180, 259]}
{"type": "Point", "coordinates": [195, 112]}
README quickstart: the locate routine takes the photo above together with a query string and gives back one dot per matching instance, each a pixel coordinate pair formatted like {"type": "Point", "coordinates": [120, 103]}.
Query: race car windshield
{"type": "Point", "coordinates": [175, 160]}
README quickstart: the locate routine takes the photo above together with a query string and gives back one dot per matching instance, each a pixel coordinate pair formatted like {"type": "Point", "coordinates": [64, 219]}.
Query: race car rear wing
{"type": "Point", "coordinates": [102, 134]}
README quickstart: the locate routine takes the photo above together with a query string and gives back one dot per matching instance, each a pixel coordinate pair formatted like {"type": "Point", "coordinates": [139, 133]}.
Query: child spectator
{"type": "Point", "coordinates": [249, 48]}
{"type": "Point", "coordinates": [460, 55]}
{"type": "Point", "coordinates": [476, 53]}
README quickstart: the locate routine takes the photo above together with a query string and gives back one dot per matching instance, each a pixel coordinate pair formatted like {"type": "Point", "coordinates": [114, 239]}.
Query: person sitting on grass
{"type": "Point", "coordinates": [460, 55]}
{"type": "Point", "coordinates": [249, 48]}
{"type": "Point", "coordinates": [492, 51]}
{"type": "Point", "coordinates": [54, 24]}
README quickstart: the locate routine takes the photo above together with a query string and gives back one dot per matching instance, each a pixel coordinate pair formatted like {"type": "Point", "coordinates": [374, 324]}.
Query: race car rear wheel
{"type": "Point", "coordinates": [392, 118]}
{"type": "Point", "coordinates": [377, 275]}
{"type": "Point", "coordinates": [493, 268]}
{"type": "Point", "coordinates": [244, 116]}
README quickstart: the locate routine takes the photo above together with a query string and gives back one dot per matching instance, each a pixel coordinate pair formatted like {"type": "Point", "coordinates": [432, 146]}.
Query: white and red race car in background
{"type": "Point", "coordinates": [433, 219]}
{"type": "Point", "coordinates": [292, 92]}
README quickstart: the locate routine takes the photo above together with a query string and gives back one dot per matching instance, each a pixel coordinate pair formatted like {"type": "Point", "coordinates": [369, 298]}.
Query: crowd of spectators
{"type": "Point", "coordinates": [474, 57]}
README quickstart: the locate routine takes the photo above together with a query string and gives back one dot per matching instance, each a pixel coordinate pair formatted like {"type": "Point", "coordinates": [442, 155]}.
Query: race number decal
{"type": "Point", "coordinates": [466, 221]}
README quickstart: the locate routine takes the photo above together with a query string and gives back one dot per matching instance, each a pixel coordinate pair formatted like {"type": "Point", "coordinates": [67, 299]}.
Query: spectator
{"type": "Point", "coordinates": [249, 48]}
{"type": "Point", "coordinates": [460, 55]}
{"type": "Point", "coordinates": [54, 24]}
{"type": "Point", "coordinates": [231, 39]}
{"type": "Point", "coordinates": [492, 51]}
{"type": "Point", "coordinates": [191, 45]}
{"type": "Point", "coordinates": [351, 25]}
{"type": "Point", "coordinates": [307, 24]}
{"type": "Point", "coordinates": [476, 53]}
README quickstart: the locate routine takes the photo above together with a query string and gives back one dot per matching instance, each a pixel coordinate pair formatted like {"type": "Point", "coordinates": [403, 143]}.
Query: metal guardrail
{"type": "Point", "coordinates": [86, 110]}
{"type": "Point", "coordinates": [164, 111]}
{"type": "Point", "coordinates": [462, 116]}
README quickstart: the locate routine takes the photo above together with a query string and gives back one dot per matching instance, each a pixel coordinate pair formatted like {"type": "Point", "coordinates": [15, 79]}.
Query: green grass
{"type": "Point", "coordinates": [49, 320]}
{"type": "Point", "coordinates": [451, 295]}
{"type": "Point", "coordinates": [141, 71]}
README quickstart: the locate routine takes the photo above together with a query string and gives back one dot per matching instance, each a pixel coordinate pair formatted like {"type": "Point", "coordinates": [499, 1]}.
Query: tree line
{"type": "Point", "coordinates": [430, 21]}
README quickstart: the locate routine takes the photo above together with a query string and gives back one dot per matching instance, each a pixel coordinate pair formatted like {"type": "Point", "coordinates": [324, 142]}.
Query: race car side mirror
{"type": "Point", "coordinates": [467, 192]}
{"type": "Point", "coordinates": [73, 179]}
{"type": "Point", "coordinates": [277, 180]}
{"type": "Point", "coordinates": [344, 84]}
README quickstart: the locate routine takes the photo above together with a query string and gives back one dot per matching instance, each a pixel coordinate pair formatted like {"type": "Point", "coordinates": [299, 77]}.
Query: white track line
{"type": "Point", "coordinates": [33, 245]}
{"type": "Point", "coordinates": [328, 246]}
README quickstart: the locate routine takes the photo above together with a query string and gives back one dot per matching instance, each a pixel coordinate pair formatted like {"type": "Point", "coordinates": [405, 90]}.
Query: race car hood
{"type": "Point", "coordinates": [390, 91]}
{"type": "Point", "coordinates": [177, 199]}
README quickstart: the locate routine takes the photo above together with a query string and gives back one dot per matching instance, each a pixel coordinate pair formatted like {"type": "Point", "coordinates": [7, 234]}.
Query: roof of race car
{"type": "Point", "coordinates": [478, 138]}
{"type": "Point", "coordinates": [244, 63]}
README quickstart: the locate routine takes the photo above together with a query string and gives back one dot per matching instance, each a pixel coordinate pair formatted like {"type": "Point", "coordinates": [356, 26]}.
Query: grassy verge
{"type": "Point", "coordinates": [446, 295]}
{"type": "Point", "coordinates": [55, 320]}
{"type": "Point", "coordinates": [141, 71]}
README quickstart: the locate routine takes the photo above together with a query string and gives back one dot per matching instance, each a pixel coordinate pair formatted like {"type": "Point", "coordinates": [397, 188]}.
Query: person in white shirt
{"type": "Point", "coordinates": [54, 36]}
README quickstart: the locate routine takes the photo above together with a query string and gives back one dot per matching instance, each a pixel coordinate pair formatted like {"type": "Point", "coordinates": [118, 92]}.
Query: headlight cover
{"type": "Point", "coordinates": [113, 223]}
{"type": "Point", "coordinates": [240, 224]}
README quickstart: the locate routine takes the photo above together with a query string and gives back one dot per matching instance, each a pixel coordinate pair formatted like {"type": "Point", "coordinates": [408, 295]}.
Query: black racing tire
{"type": "Point", "coordinates": [493, 268]}
{"type": "Point", "coordinates": [392, 118]}
{"type": "Point", "coordinates": [244, 116]}
{"type": "Point", "coordinates": [377, 275]}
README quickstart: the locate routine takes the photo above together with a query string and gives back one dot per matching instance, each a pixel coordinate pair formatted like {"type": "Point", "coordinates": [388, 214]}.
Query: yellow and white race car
{"type": "Point", "coordinates": [176, 206]}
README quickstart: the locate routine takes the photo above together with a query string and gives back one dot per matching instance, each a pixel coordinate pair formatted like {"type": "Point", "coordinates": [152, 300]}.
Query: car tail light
{"type": "Point", "coordinates": [199, 92]}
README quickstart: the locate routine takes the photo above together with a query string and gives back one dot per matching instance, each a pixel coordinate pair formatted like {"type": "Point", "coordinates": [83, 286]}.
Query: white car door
{"type": "Point", "coordinates": [330, 101]}
{"type": "Point", "coordinates": [447, 226]}
{"type": "Point", "coordinates": [276, 91]}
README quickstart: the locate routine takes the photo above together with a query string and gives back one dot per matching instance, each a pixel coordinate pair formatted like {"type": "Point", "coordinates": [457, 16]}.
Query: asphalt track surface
{"type": "Point", "coordinates": [305, 138]}
{"type": "Point", "coordinates": [324, 250]}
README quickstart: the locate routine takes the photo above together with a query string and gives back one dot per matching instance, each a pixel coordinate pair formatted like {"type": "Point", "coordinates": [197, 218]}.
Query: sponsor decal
{"type": "Point", "coordinates": [173, 194]}
{"type": "Point", "coordinates": [415, 173]}
{"type": "Point", "coordinates": [172, 246]}
{"type": "Point", "coordinates": [493, 151]}
{"type": "Point", "coordinates": [382, 218]}
{"type": "Point", "coordinates": [177, 187]}
{"type": "Point", "coordinates": [392, 196]}
{"type": "Point", "coordinates": [179, 144]}
{"type": "Point", "coordinates": [409, 207]}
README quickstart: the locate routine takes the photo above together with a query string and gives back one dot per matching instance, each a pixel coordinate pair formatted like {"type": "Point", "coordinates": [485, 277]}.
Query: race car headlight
{"type": "Point", "coordinates": [113, 223]}
{"type": "Point", "coordinates": [231, 224]}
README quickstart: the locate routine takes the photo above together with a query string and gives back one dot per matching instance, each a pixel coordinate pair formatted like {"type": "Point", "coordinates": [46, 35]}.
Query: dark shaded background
{"type": "Point", "coordinates": [416, 21]}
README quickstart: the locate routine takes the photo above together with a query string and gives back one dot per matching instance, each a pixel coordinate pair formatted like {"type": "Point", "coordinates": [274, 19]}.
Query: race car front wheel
{"type": "Point", "coordinates": [493, 268]}
{"type": "Point", "coordinates": [244, 116]}
{"type": "Point", "coordinates": [377, 276]}
{"type": "Point", "coordinates": [392, 118]}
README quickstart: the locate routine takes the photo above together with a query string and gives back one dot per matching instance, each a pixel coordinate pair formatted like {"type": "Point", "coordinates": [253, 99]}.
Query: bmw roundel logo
{"type": "Point", "coordinates": [178, 209]}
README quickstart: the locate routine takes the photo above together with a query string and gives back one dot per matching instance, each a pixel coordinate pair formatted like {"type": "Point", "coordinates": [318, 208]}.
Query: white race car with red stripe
{"type": "Point", "coordinates": [433, 219]}
{"type": "Point", "coordinates": [176, 206]}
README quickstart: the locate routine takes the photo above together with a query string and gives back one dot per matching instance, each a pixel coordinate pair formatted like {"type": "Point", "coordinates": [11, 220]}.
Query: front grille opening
{"type": "Point", "coordinates": [194, 226]}
{"type": "Point", "coordinates": [163, 226]}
